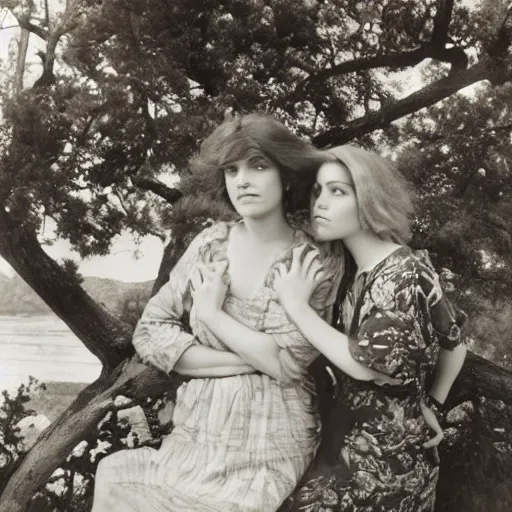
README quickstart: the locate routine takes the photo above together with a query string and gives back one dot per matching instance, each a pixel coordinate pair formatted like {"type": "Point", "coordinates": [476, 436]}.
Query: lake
{"type": "Point", "coordinates": [44, 347]}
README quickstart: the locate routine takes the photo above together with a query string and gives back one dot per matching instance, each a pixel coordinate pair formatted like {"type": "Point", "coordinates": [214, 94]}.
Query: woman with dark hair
{"type": "Point", "coordinates": [394, 319]}
{"type": "Point", "coordinates": [246, 427]}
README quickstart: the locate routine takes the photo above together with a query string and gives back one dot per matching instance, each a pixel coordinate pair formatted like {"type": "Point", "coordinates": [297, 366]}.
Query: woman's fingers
{"type": "Point", "coordinates": [434, 441]}
{"type": "Point", "coordinates": [281, 270]}
{"type": "Point", "coordinates": [297, 256]}
{"type": "Point", "coordinates": [197, 280]}
{"type": "Point", "coordinates": [200, 275]}
{"type": "Point", "coordinates": [308, 262]}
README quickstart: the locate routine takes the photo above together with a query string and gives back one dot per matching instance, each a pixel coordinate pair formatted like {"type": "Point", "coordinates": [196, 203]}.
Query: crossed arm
{"type": "Point", "coordinates": [160, 337]}
{"type": "Point", "coordinates": [202, 362]}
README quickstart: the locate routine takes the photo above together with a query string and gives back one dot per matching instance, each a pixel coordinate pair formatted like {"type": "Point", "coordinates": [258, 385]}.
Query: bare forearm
{"type": "Point", "coordinates": [448, 367]}
{"type": "Point", "coordinates": [220, 371]}
{"type": "Point", "coordinates": [199, 357]}
{"type": "Point", "coordinates": [330, 342]}
{"type": "Point", "coordinates": [257, 349]}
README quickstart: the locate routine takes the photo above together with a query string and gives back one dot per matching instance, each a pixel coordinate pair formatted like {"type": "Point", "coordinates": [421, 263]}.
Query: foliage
{"type": "Point", "coordinates": [139, 84]}
{"type": "Point", "coordinates": [457, 156]}
{"type": "Point", "coordinates": [70, 488]}
{"type": "Point", "coordinates": [12, 410]}
{"type": "Point", "coordinates": [131, 306]}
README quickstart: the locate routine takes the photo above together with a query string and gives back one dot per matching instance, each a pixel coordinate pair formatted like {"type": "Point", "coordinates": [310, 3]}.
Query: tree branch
{"type": "Point", "coordinates": [171, 195]}
{"type": "Point", "coordinates": [484, 70]}
{"type": "Point", "coordinates": [21, 61]}
{"type": "Point", "coordinates": [434, 50]}
{"type": "Point", "coordinates": [100, 331]}
{"type": "Point", "coordinates": [455, 56]}
{"type": "Point", "coordinates": [82, 416]}
{"type": "Point", "coordinates": [442, 22]}
{"type": "Point", "coordinates": [25, 23]}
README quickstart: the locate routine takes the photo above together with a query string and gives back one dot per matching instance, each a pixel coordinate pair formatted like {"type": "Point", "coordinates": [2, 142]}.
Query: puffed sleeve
{"type": "Point", "coordinates": [297, 353]}
{"type": "Point", "coordinates": [160, 337]}
{"type": "Point", "coordinates": [410, 313]}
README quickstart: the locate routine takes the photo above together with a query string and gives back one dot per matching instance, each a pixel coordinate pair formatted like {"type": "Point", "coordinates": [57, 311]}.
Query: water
{"type": "Point", "coordinates": [44, 347]}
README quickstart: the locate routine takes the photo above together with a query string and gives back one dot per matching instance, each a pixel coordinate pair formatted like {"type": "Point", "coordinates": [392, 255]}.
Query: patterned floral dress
{"type": "Point", "coordinates": [239, 443]}
{"type": "Point", "coordinates": [397, 318]}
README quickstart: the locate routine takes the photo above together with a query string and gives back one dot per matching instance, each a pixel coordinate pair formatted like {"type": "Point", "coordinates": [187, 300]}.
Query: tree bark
{"type": "Point", "coordinates": [100, 331]}
{"type": "Point", "coordinates": [486, 69]}
{"type": "Point", "coordinates": [83, 415]}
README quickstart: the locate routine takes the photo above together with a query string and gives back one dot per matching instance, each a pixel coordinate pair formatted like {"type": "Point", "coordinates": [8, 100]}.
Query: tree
{"type": "Point", "coordinates": [127, 89]}
{"type": "Point", "coordinates": [457, 155]}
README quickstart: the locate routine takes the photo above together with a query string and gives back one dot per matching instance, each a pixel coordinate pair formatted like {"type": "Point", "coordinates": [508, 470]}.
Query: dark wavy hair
{"type": "Point", "coordinates": [241, 137]}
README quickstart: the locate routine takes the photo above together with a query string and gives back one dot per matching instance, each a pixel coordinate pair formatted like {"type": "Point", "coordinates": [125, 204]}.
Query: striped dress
{"type": "Point", "coordinates": [239, 443]}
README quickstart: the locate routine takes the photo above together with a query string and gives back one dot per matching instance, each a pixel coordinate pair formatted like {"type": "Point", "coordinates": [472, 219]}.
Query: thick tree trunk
{"type": "Point", "coordinates": [101, 332]}
{"type": "Point", "coordinates": [83, 415]}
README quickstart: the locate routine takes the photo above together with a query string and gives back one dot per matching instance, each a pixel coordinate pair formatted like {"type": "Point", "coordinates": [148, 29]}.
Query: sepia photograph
{"type": "Point", "coordinates": [255, 256]}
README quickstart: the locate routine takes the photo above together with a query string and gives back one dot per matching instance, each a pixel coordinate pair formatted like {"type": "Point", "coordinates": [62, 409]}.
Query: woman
{"type": "Point", "coordinates": [396, 321]}
{"type": "Point", "coordinates": [240, 442]}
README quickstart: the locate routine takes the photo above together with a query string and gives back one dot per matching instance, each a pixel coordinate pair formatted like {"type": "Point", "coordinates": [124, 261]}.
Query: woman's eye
{"type": "Point", "coordinates": [338, 191]}
{"type": "Point", "coordinates": [230, 171]}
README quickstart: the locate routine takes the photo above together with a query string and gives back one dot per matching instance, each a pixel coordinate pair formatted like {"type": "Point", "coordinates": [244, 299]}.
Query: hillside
{"type": "Point", "coordinates": [17, 298]}
{"type": "Point", "coordinates": [53, 401]}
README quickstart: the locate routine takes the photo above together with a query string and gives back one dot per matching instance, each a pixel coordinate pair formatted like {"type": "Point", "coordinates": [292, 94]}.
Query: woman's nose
{"type": "Point", "coordinates": [320, 201]}
{"type": "Point", "coordinates": [242, 181]}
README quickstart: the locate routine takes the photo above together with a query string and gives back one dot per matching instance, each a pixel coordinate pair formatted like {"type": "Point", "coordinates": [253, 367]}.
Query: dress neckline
{"type": "Point", "coordinates": [381, 263]}
{"type": "Point", "coordinates": [299, 237]}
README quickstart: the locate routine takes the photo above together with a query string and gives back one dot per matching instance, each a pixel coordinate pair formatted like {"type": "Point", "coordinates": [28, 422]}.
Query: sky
{"type": "Point", "coordinates": [121, 264]}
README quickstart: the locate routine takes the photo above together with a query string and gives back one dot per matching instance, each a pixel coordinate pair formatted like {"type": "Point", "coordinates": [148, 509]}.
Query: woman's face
{"type": "Point", "coordinates": [254, 186]}
{"type": "Point", "coordinates": [335, 214]}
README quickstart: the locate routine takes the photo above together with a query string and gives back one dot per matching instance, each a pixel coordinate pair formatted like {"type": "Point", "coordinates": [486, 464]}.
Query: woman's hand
{"type": "Point", "coordinates": [209, 293]}
{"type": "Point", "coordinates": [381, 379]}
{"type": "Point", "coordinates": [433, 423]}
{"type": "Point", "coordinates": [294, 287]}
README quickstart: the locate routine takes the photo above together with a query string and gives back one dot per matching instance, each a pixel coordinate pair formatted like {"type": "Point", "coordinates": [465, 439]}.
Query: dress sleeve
{"type": "Point", "coordinates": [444, 319]}
{"type": "Point", "coordinates": [394, 335]}
{"type": "Point", "coordinates": [297, 353]}
{"type": "Point", "coordinates": [389, 342]}
{"type": "Point", "coordinates": [160, 337]}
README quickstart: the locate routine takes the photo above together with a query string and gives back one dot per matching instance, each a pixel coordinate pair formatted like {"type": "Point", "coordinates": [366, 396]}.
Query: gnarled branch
{"type": "Point", "coordinates": [171, 195]}
{"type": "Point", "coordinates": [432, 93]}
{"type": "Point", "coordinates": [100, 331]}
{"type": "Point", "coordinates": [442, 22]}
